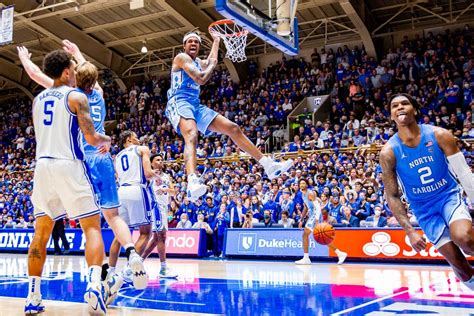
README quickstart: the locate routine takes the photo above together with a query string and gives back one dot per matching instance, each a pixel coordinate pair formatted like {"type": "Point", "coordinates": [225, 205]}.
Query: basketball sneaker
{"type": "Point", "coordinates": [195, 188]}
{"type": "Point", "coordinates": [127, 274]}
{"type": "Point", "coordinates": [139, 275]}
{"type": "Point", "coordinates": [470, 284]}
{"type": "Point", "coordinates": [94, 297]}
{"type": "Point", "coordinates": [341, 255]}
{"type": "Point", "coordinates": [34, 304]}
{"type": "Point", "coordinates": [275, 169]}
{"type": "Point", "coordinates": [112, 285]}
{"type": "Point", "coordinates": [166, 273]}
{"type": "Point", "coordinates": [305, 260]}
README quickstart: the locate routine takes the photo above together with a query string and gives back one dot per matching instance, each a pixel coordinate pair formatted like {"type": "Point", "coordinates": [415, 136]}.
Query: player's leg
{"type": "Point", "coordinates": [189, 130]}
{"type": "Point", "coordinates": [94, 253]}
{"type": "Point", "coordinates": [341, 255]}
{"type": "Point", "coordinates": [305, 260]}
{"type": "Point", "coordinates": [152, 244]}
{"type": "Point", "coordinates": [55, 236]}
{"type": "Point", "coordinates": [36, 259]}
{"type": "Point", "coordinates": [142, 241]}
{"type": "Point", "coordinates": [119, 227]}
{"type": "Point", "coordinates": [62, 235]}
{"type": "Point", "coordinates": [462, 235]}
{"type": "Point", "coordinates": [222, 125]}
{"type": "Point", "coordinates": [459, 263]}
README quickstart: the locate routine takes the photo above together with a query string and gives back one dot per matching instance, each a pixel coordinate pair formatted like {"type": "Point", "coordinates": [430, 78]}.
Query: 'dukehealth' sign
{"type": "Point", "coordinates": [270, 242]}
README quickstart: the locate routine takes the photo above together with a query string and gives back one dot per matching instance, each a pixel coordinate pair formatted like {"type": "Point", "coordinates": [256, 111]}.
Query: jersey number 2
{"type": "Point", "coordinates": [48, 113]}
{"type": "Point", "coordinates": [425, 174]}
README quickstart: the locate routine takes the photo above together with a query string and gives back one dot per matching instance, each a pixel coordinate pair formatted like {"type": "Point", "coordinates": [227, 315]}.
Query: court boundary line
{"type": "Point", "coordinates": [113, 307]}
{"type": "Point", "coordinates": [370, 302]}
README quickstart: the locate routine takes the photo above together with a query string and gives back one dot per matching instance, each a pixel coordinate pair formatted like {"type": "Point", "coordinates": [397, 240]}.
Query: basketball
{"type": "Point", "coordinates": [324, 234]}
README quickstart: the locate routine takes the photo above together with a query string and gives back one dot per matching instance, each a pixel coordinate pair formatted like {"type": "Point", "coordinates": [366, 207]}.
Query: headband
{"type": "Point", "coordinates": [189, 35]}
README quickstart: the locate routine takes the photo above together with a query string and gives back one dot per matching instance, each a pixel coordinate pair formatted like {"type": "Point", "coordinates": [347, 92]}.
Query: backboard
{"type": "Point", "coordinates": [271, 20]}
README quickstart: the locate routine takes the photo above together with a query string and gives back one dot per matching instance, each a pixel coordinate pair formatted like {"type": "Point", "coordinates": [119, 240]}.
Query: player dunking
{"type": "Point", "coordinates": [134, 171]}
{"type": "Point", "coordinates": [188, 116]}
{"type": "Point", "coordinates": [61, 178]}
{"type": "Point", "coordinates": [424, 161]}
{"type": "Point", "coordinates": [100, 164]}
{"type": "Point", "coordinates": [312, 209]}
{"type": "Point", "coordinates": [163, 188]}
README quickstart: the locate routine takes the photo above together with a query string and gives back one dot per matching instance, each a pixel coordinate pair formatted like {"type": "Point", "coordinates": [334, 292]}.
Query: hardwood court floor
{"type": "Point", "coordinates": [207, 287]}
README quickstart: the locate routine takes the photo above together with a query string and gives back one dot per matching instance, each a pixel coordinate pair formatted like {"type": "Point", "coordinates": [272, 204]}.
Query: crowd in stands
{"type": "Point", "coordinates": [437, 69]}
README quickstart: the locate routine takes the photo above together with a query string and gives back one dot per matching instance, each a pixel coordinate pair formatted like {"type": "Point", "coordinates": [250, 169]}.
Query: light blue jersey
{"type": "Point", "coordinates": [429, 186]}
{"type": "Point", "coordinates": [98, 112]}
{"type": "Point", "coordinates": [183, 86]}
{"type": "Point", "coordinates": [423, 172]}
{"type": "Point", "coordinates": [183, 102]}
{"type": "Point", "coordinates": [314, 210]}
{"type": "Point", "coordinates": [101, 166]}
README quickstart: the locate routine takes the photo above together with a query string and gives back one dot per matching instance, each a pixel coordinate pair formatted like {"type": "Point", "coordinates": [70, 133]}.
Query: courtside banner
{"type": "Point", "coordinates": [270, 242]}
{"type": "Point", "coordinates": [369, 243]}
{"type": "Point", "coordinates": [20, 239]}
{"type": "Point", "coordinates": [189, 242]}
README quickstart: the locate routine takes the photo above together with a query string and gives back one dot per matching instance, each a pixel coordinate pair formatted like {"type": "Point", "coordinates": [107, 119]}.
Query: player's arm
{"type": "Point", "coordinates": [456, 161]}
{"type": "Point", "coordinates": [33, 71]}
{"type": "Point", "coordinates": [144, 151]}
{"type": "Point", "coordinates": [74, 50]}
{"type": "Point", "coordinates": [78, 103]}
{"type": "Point", "coordinates": [214, 51]}
{"type": "Point", "coordinates": [185, 62]}
{"type": "Point", "coordinates": [389, 178]}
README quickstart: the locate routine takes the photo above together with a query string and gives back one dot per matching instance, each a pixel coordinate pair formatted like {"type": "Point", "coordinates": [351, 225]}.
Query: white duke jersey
{"type": "Point", "coordinates": [129, 167]}
{"type": "Point", "coordinates": [56, 127]}
{"type": "Point", "coordinates": [162, 182]}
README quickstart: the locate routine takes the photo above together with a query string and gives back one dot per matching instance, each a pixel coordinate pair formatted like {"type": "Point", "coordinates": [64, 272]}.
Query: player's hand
{"type": "Point", "coordinates": [215, 36]}
{"type": "Point", "coordinates": [417, 241]}
{"type": "Point", "coordinates": [23, 53]}
{"type": "Point", "coordinates": [300, 225]}
{"type": "Point", "coordinates": [105, 147]}
{"type": "Point", "coordinates": [71, 48]}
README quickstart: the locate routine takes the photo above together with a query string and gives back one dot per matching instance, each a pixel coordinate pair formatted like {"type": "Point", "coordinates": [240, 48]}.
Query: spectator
{"type": "Point", "coordinates": [286, 220]}
{"type": "Point", "coordinates": [184, 223]}
{"type": "Point", "coordinates": [349, 220]}
{"type": "Point", "coordinates": [267, 219]}
{"type": "Point", "coordinates": [377, 220]}
{"type": "Point", "coordinates": [201, 224]}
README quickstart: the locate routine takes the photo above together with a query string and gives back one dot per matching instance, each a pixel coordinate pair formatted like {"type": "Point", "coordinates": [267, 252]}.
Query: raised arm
{"type": "Point", "coordinates": [213, 53]}
{"type": "Point", "coordinates": [457, 162]}
{"type": "Point", "coordinates": [185, 62]}
{"type": "Point", "coordinates": [144, 151]}
{"type": "Point", "coordinates": [78, 103]}
{"type": "Point", "coordinates": [74, 50]}
{"type": "Point", "coordinates": [389, 178]}
{"type": "Point", "coordinates": [33, 71]}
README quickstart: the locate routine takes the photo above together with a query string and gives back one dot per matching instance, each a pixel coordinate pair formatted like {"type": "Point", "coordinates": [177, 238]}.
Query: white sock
{"type": "Point", "coordinates": [265, 162]}
{"type": "Point", "coordinates": [94, 274]}
{"type": "Point", "coordinates": [34, 284]}
{"type": "Point", "coordinates": [338, 252]}
{"type": "Point", "coordinates": [163, 265]}
{"type": "Point", "coordinates": [111, 270]}
{"type": "Point", "coordinates": [306, 256]}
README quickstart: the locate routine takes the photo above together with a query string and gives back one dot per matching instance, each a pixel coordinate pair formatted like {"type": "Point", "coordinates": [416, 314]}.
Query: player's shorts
{"type": "Point", "coordinates": [182, 108]}
{"type": "Point", "coordinates": [63, 187]}
{"type": "Point", "coordinates": [160, 218]}
{"type": "Point", "coordinates": [103, 180]}
{"type": "Point", "coordinates": [136, 208]}
{"type": "Point", "coordinates": [311, 222]}
{"type": "Point", "coordinates": [435, 216]}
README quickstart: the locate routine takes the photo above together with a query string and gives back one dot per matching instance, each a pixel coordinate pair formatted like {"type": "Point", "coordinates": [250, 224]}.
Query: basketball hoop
{"type": "Point", "coordinates": [234, 37]}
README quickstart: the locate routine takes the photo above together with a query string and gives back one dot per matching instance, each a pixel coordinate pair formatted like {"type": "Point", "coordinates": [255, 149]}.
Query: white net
{"type": "Point", "coordinates": [234, 37]}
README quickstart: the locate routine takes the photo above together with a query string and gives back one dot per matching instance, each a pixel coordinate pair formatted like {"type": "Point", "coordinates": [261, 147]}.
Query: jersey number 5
{"type": "Point", "coordinates": [48, 113]}
{"type": "Point", "coordinates": [425, 174]}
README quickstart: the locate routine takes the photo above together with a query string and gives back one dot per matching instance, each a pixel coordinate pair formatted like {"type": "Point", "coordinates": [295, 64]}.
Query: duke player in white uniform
{"type": "Point", "coordinates": [100, 164]}
{"type": "Point", "coordinates": [425, 162]}
{"type": "Point", "coordinates": [134, 171]}
{"type": "Point", "coordinates": [163, 188]}
{"type": "Point", "coordinates": [189, 117]}
{"type": "Point", "coordinates": [312, 210]}
{"type": "Point", "coordinates": [62, 183]}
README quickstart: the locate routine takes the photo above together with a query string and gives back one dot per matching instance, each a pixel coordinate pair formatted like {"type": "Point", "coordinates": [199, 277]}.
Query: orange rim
{"type": "Point", "coordinates": [227, 22]}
